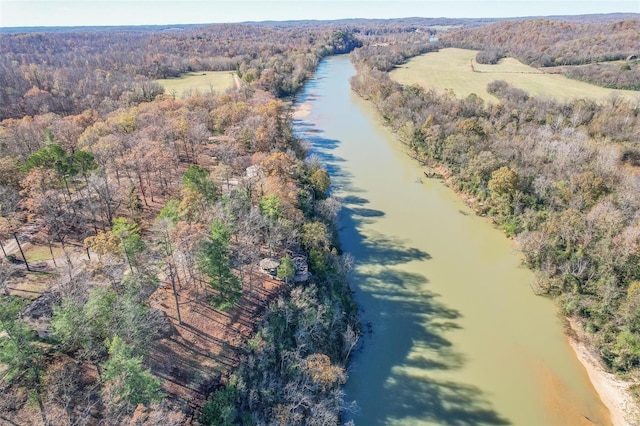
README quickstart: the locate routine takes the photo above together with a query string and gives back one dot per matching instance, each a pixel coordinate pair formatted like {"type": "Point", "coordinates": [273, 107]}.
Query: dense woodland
{"type": "Point", "coordinates": [104, 69]}
{"type": "Point", "coordinates": [561, 178]}
{"type": "Point", "coordinates": [144, 217]}
{"type": "Point", "coordinates": [153, 214]}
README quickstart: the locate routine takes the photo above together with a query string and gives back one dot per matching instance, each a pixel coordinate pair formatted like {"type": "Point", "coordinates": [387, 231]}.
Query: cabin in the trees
{"type": "Point", "coordinates": [253, 172]}
{"type": "Point", "coordinates": [270, 265]}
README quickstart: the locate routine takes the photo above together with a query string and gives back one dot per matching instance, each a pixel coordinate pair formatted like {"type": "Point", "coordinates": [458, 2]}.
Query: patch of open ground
{"type": "Point", "coordinates": [37, 253]}
{"type": "Point", "coordinates": [457, 70]}
{"type": "Point", "coordinates": [198, 83]}
{"type": "Point", "coordinates": [194, 357]}
{"type": "Point", "coordinates": [44, 270]}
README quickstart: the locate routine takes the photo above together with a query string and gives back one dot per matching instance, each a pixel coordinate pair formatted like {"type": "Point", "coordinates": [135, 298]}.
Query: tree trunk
{"type": "Point", "coordinates": [52, 256]}
{"type": "Point", "coordinates": [126, 255]}
{"type": "Point", "coordinates": [21, 252]}
{"type": "Point", "coordinates": [144, 196]}
{"type": "Point", "coordinates": [175, 292]}
{"type": "Point", "coordinates": [39, 396]}
{"type": "Point", "coordinates": [66, 185]}
{"type": "Point", "coordinates": [148, 175]}
{"type": "Point", "coordinates": [93, 216]}
{"type": "Point", "coordinates": [69, 262]}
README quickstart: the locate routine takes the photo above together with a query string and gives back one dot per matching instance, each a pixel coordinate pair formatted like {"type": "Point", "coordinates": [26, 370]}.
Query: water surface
{"type": "Point", "coordinates": [453, 333]}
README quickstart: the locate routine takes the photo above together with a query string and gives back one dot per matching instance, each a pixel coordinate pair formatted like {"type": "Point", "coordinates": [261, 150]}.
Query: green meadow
{"type": "Point", "coordinates": [457, 70]}
{"type": "Point", "coordinates": [198, 82]}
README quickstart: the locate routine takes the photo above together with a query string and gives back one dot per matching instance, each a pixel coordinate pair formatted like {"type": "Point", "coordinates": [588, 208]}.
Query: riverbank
{"type": "Point", "coordinates": [300, 110]}
{"type": "Point", "coordinates": [440, 332]}
{"type": "Point", "coordinates": [613, 391]}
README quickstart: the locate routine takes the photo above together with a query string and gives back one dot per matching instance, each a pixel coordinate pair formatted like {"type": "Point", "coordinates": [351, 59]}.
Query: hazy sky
{"type": "Point", "coordinates": [131, 12]}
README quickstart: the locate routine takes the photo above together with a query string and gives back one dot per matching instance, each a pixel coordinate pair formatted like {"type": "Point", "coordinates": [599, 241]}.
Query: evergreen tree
{"type": "Point", "coordinates": [130, 382]}
{"type": "Point", "coordinates": [213, 261]}
{"type": "Point", "coordinates": [17, 348]}
{"type": "Point", "coordinates": [287, 269]}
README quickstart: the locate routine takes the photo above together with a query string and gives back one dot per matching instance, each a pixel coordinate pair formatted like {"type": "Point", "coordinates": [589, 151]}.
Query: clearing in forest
{"type": "Point", "coordinates": [457, 69]}
{"type": "Point", "coordinates": [201, 82]}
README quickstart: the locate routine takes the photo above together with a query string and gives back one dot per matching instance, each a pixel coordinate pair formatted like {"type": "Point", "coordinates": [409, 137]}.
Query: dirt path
{"type": "Point", "coordinates": [237, 81]}
{"type": "Point", "coordinates": [10, 246]}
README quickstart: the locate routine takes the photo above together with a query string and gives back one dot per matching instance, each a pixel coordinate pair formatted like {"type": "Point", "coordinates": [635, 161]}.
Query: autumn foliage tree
{"type": "Point", "coordinates": [89, 151]}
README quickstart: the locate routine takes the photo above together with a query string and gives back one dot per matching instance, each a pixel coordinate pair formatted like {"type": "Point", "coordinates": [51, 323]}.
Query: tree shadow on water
{"type": "Point", "coordinates": [376, 248]}
{"type": "Point", "coordinates": [442, 402]}
{"type": "Point", "coordinates": [323, 149]}
{"type": "Point", "coordinates": [406, 369]}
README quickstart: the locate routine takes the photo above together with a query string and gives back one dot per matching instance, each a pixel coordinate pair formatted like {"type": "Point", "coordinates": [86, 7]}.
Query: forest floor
{"type": "Point", "coordinates": [199, 352]}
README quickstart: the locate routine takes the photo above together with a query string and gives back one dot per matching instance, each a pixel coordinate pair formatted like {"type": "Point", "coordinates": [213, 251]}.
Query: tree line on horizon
{"type": "Point", "coordinates": [70, 72]}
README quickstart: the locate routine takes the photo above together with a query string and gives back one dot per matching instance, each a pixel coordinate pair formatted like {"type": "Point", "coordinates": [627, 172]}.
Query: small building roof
{"type": "Point", "coordinates": [269, 263]}
{"type": "Point", "coordinates": [253, 171]}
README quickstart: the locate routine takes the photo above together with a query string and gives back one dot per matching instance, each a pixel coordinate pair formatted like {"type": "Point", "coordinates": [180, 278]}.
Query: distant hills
{"type": "Point", "coordinates": [417, 21]}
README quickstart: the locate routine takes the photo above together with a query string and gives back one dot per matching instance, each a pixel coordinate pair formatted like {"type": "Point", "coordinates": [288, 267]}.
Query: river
{"type": "Point", "coordinates": [453, 333]}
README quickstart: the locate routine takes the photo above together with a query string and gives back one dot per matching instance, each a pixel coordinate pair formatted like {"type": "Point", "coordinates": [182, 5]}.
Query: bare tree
{"type": "Point", "coordinates": [7, 270]}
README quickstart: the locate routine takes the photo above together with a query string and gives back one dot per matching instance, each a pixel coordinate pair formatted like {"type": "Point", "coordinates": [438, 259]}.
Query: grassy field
{"type": "Point", "coordinates": [457, 69]}
{"type": "Point", "coordinates": [40, 253]}
{"type": "Point", "coordinates": [201, 82]}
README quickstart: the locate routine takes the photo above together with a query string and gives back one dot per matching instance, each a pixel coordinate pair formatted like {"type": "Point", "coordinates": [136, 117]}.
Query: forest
{"type": "Point", "coordinates": [133, 223]}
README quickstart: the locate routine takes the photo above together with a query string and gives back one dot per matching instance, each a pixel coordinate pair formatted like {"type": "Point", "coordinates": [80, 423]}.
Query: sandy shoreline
{"type": "Point", "coordinates": [613, 391]}
{"type": "Point", "coordinates": [302, 110]}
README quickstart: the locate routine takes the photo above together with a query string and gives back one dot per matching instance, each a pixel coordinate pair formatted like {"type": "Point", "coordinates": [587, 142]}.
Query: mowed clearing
{"type": "Point", "coordinates": [457, 69]}
{"type": "Point", "coordinates": [201, 82]}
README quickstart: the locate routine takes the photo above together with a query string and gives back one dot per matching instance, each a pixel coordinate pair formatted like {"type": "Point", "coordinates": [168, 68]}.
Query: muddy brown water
{"type": "Point", "coordinates": [454, 334]}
